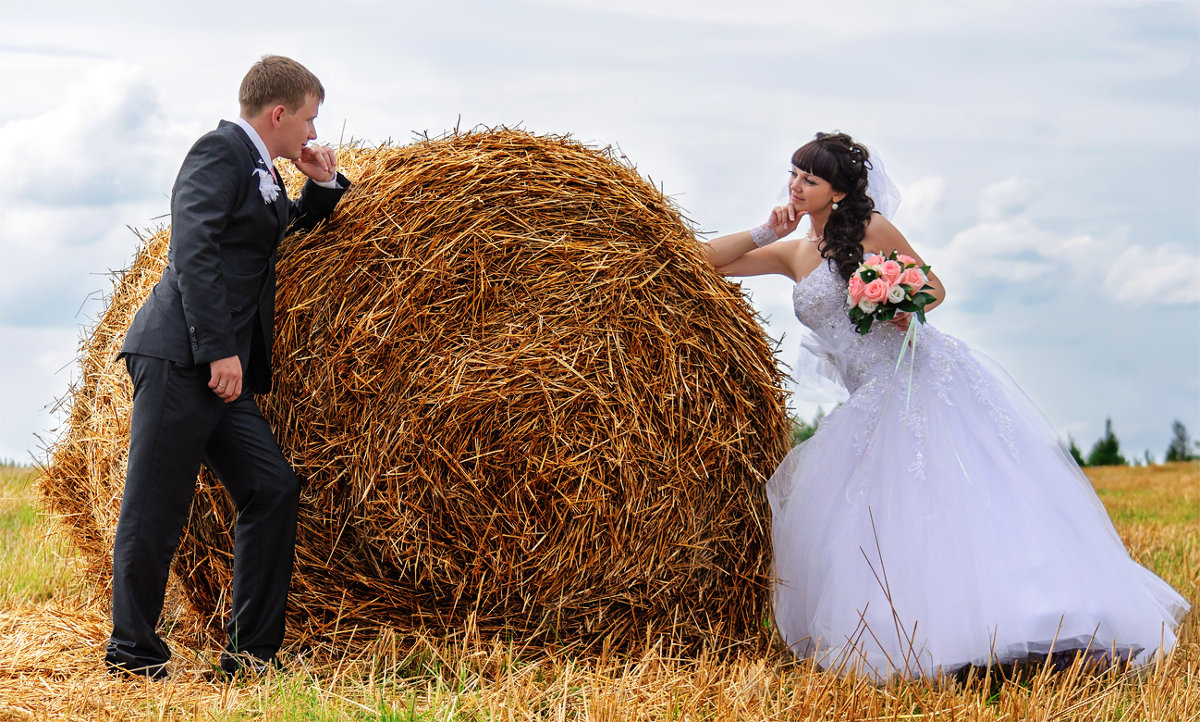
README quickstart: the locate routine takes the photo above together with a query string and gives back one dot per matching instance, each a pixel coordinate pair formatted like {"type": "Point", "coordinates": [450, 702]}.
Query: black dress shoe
{"type": "Point", "coordinates": [246, 664]}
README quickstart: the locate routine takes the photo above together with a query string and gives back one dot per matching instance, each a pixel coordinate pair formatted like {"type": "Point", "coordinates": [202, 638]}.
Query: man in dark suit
{"type": "Point", "coordinates": [198, 350]}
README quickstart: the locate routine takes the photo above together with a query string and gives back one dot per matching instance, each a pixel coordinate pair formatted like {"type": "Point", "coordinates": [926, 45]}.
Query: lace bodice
{"type": "Point", "coordinates": [867, 363]}
{"type": "Point", "coordinates": [820, 303]}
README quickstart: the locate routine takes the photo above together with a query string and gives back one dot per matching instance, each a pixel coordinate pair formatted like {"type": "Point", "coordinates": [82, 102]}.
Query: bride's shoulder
{"type": "Point", "coordinates": [876, 224]}
{"type": "Point", "coordinates": [881, 236]}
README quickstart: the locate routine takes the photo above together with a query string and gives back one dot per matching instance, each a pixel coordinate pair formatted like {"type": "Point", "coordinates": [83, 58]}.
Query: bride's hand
{"type": "Point", "coordinates": [784, 219]}
{"type": "Point", "coordinates": [902, 320]}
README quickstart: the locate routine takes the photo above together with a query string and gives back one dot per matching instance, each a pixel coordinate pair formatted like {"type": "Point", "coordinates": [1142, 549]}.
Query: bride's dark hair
{"type": "Point", "coordinates": [838, 160]}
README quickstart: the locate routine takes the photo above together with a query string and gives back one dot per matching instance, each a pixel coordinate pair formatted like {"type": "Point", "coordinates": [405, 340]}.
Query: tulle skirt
{"type": "Point", "coordinates": [935, 521]}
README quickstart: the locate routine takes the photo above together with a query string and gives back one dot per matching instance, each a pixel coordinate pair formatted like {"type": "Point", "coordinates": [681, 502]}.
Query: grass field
{"type": "Point", "coordinates": [53, 630]}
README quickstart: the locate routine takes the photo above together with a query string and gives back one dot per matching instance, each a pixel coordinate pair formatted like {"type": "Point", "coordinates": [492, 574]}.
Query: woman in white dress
{"type": "Point", "coordinates": [934, 520]}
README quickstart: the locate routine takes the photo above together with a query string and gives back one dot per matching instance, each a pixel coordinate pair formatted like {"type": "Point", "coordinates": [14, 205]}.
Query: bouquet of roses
{"type": "Point", "coordinates": [881, 287]}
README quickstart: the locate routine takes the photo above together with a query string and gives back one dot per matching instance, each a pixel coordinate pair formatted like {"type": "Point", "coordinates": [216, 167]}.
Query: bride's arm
{"type": "Point", "coordinates": [882, 237]}
{"type": "Point", "coordinates": [754, 253]}
{"type": "Point", "coordinates": [773, 259]}
{"type": "Point", "coordinates": [727, 249]}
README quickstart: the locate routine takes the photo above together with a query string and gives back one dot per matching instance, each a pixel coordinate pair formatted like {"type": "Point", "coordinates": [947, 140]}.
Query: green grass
{"type": "Point", "coordinates": [1165, 494]}
{"type": "Point", "coordinates": [35, 565]}
{"type": "Point", "coordinates": [1155, 510]}
{"type": "Point", "coordinates": [385, 698]}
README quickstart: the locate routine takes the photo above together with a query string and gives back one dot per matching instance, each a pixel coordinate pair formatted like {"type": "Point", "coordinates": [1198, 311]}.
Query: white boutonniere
{"type": "Point", "coordinates": [267, 185]}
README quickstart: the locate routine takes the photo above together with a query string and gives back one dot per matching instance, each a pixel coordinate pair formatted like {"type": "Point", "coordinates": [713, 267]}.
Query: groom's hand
{"type": "Point", "coordinates": [226, 380]}
{"type": "Point", "coordinates": [318, 162]}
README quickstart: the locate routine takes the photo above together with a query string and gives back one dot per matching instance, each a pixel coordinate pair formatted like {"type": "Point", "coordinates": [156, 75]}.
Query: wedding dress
{"type": "Point", "coordinates": [934, 520]}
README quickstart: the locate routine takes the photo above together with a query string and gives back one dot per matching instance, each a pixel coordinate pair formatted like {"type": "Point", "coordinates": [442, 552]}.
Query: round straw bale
{"type": "Point", "coordinates": [517, 397]}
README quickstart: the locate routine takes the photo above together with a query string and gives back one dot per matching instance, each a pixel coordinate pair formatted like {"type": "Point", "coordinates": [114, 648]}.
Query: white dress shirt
{"type": "Point", "coordinates": [266, 158]}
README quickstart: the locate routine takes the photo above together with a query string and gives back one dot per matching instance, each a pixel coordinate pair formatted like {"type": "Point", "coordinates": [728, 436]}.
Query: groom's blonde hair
{"type": "Point", "coordinates": [276, 80]}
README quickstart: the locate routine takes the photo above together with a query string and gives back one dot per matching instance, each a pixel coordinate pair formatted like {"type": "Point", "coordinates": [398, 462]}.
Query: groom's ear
{"type": "Point", "coordinates": [276, 114]}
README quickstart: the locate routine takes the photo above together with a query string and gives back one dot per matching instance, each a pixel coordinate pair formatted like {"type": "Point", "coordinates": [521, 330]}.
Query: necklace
{"type": "Point", "coordinates": [814, 239]}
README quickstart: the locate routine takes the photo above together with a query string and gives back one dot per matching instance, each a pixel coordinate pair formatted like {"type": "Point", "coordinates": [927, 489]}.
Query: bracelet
{"type": "Point", "coordinates": [764, 235]}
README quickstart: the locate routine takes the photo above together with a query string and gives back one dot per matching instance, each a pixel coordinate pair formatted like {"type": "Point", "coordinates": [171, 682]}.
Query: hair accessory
{"type": "Point", "coordinates": [881, 188]}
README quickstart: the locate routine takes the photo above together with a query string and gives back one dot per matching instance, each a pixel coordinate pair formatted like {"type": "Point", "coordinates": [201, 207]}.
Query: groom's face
{"type": "Point", "coordinates": [296, 128]}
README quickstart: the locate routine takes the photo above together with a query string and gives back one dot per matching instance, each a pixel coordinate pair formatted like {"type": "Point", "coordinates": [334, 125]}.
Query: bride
{"type": "Point", "coordinates": [934, 520]}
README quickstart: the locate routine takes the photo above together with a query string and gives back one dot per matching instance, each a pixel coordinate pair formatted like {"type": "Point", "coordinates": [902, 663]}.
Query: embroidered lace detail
{"type": "Point", "coordinates": [920, 467]}
{"type": "Point", "coordinates": [868, 365]}
{"type": "Point", "coordinates": [763, 235]}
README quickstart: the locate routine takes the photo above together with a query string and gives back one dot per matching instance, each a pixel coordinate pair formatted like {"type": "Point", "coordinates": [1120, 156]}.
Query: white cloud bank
{"type": "Point", "coordinates": [1143, 275]}
{"type": "Point", "coordinates": [104, 143]}
{"type": "Point", "coordinates": [1007, 249]}
{"type": "Point", "coordinates": [80, 170]}
{"type": "Point", "coordinates": [921, 201]}
{"type": "Point", "coordinates": [1042, 159]}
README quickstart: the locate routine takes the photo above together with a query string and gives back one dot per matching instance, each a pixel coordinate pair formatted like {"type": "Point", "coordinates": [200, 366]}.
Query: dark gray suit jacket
{"type": "Point", "coordinates": [216, 297]}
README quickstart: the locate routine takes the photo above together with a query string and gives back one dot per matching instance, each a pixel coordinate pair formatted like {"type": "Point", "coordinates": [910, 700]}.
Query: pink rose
{"type": "Point", "coordinates": [856, 288]}
{"type": "Point", "coordinates": [873, 259]}
{"type": "Point", "coordinates": [890, 270]}
{"type": "Point", "coordinates": [906, 260]}
{"type": "Point", "coordinates": [914, 277]}
{"type": "Point", "coordinates": [876, 291]}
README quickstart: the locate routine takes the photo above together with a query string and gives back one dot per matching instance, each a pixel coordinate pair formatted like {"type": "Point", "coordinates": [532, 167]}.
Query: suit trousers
{"type": "Point", "coordinates": [177, 423]}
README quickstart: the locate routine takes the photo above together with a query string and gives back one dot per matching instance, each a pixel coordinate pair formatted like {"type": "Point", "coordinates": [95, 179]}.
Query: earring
{"type": "Point", "coordinates": [835, 205]}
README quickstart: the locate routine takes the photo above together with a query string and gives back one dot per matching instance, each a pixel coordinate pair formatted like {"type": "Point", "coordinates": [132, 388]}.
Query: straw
{"type": "Point", "coordinates": [513, 389]}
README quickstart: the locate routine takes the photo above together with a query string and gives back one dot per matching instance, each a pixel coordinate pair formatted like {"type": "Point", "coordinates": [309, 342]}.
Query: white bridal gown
{"type": "Point", "coordinates": [934, 520]}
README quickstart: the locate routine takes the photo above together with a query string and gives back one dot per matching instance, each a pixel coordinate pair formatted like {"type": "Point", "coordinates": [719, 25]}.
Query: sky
{"type": "Point", "coordinates": [1048, 154]}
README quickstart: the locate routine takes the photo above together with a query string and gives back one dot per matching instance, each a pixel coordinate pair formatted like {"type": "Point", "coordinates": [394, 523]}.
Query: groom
{"type": "Point", "coordinates": [198, 350]}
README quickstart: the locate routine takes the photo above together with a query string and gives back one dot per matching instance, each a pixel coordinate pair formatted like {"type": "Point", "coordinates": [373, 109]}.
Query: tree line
{"type": "Point", "coordinates": [1105, 452]}
{"type": "Point", "coordinates": [1107, 449]}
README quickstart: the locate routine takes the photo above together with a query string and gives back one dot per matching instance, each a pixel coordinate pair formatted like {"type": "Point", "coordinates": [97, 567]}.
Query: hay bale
{"type": "Point", "coordinates": [515, 392]}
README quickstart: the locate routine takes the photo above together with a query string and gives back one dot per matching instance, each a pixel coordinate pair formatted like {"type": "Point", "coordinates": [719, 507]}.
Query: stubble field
{"type": "Point", "coordinates": [53, 628]}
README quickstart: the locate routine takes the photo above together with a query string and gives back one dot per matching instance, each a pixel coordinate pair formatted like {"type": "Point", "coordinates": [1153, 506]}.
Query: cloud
{"type": "Point", "coordinates": [1007, 251]}
{"type": "Point", "coordinates": [82, 167]}
{"type": "Point", "coordinates": [1150, 276]}
{"type": "Point", "coordinates": [1007, 248]}
{"type": "Point", "coordinates": [1005, 198]}
{"type": "Point", "coordinates": [709, 98]}
{"type": "Point", "coordinates": [41, 359]}
{"type": "Point", "coordinates": [57, 258]}
{"type": "Point", "coordinates": [103, 143]}
{"type": "Point", "coordinates": [919, 201]}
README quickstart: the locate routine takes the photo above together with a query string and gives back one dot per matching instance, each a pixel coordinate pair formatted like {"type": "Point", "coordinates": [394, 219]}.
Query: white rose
{"type": "Point", "coordinates": [867, 306]}
{"type": "Point", "coordinates": [896, 294]}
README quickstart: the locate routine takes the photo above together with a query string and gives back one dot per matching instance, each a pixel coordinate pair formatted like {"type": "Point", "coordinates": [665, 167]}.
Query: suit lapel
{"type": "Point", "coordinates": [281, 204]}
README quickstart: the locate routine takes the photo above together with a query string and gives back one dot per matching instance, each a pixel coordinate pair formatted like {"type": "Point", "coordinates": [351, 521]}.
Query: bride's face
{"type": "Point", "coordinates": [809, 192]}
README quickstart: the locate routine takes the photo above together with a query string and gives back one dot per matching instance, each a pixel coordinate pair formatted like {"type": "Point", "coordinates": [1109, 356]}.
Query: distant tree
{"type": "Point", "coordinates": [803, 430]}
{"type": "Point", "coordinates": [1075, 453]}
{"type": "Point", "coordinates": [1181, 445]}
{"type": "Point", "coordinates": [1107, 450]}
